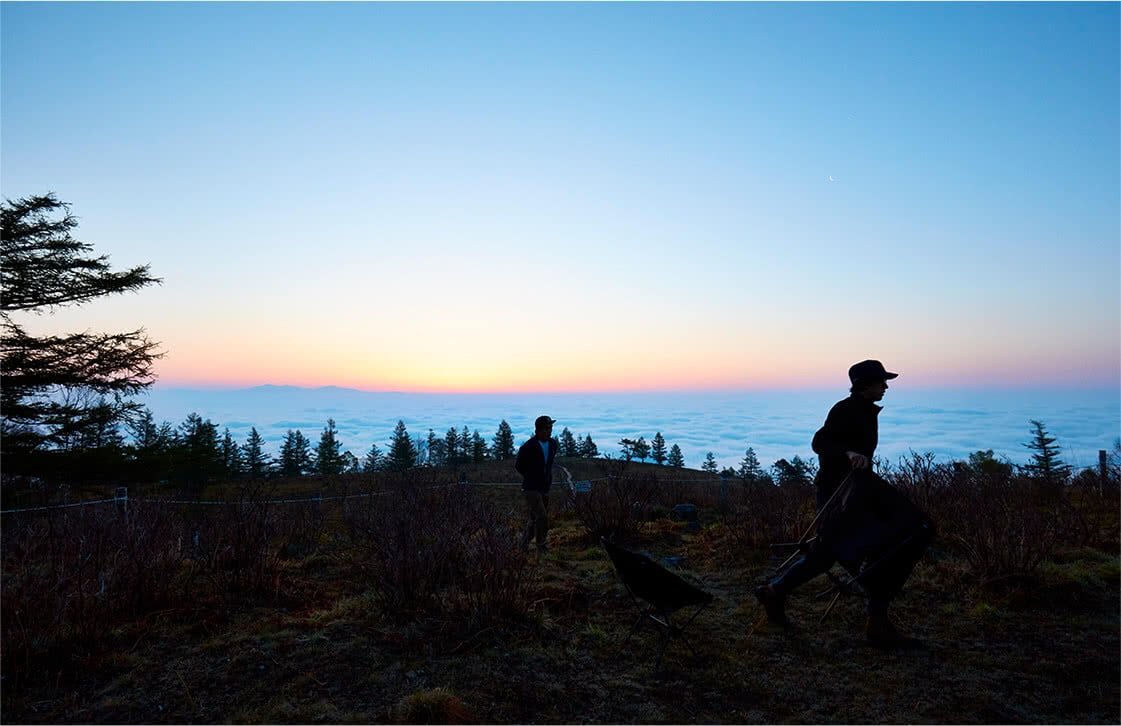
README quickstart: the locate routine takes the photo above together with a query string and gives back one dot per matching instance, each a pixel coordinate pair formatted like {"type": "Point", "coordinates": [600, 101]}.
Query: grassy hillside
{"type": "Point", "coordinates": [316, 642]}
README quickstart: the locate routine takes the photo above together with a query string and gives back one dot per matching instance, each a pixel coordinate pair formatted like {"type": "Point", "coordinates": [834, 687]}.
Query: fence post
{"type": "Point", "coordinates": [121, 500]}
{"type": "Point", "coordinates": [724, 490]}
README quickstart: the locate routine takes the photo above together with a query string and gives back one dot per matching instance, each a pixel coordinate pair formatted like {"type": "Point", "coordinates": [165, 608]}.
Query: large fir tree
{"type": "Point", "coordinates": [51, 385]}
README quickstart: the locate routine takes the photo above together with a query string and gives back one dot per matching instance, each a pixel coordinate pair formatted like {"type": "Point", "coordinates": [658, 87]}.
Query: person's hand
{"type": "Point", "coordinates": [858, 461]}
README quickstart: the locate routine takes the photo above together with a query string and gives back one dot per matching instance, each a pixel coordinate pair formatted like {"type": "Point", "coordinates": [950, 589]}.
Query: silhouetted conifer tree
{"type": "Point", "coordinates": [750, 468]}
{"type": "Point", "coordinates": [464, 445]}
{"type": "Point", "coordinates": [256, 461]}
{"type": "Point", "coordinates": [710, 463]}
{"type": "Point", "coordinates": [50, 385]}
{"type": "Point", "coordinates": [588, 448]}
{"type": "Point", "coordinates": [658, 449]}
{"type": "Point", "coordinates": [568, 446]}
{"type": "Point", "coordinates": [451, 443]}
{"type": "Point", "coordinates": [479, 450]}
{"type": "Point", "coordinates": [675, 459]}
{"type": "Point", "coordinates": [796, 471]}
{"type": "Point", "coordinates": [402, 452]}
{"type": "Point", "coordinates": [152, 448]}
{"type": "Point", "coordinates": [1045, 462]}
{"type": "Point", "coordinates": [373, 461]}
{"type": "Point", "coordinates": [641, 449]}
{"type": "Point", "coordinates": [437, 450]}
{"type": "Point", "coordinates": [295, 454]}
{"type": "Point", "coordinates": [504, 446]}
{"type": "Point", "coordinates": [328, 454]}
{"type": "Point", "coordinates": [200, 455]}
{"type": "Point", "coordinates": [231, 456]}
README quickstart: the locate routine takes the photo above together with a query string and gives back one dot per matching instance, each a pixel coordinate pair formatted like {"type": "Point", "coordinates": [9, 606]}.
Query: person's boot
{"type": "Point", "coordinates": [883, 635]}
{"type": "Point", "coordinates": [774, 604]}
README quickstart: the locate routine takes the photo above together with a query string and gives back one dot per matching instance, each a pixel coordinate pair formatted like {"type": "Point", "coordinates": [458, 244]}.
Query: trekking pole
{"type": "Point", "coordinates": [801, 543]}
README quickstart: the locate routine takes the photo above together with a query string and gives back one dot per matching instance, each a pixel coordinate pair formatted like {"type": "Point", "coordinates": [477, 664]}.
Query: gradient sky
{"type": "Point", "coordinates": [552, 197]}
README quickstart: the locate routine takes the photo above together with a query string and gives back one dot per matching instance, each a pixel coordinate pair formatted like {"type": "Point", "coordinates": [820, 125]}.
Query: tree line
{"type": "Point", "coordinates": [195, 451]}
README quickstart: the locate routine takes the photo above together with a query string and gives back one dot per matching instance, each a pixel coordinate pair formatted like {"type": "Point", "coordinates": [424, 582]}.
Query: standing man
{"type": "Point", "coordinates": [535, 464]}
{"type": "Point", "coordinates": [845, 445]}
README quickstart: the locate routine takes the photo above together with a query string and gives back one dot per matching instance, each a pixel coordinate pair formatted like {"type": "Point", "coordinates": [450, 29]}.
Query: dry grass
{"type": "Point", "coordinates": [1041, 648]}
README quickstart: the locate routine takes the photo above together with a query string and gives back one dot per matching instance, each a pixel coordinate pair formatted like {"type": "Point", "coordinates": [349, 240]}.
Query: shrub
{"type": "Point", "coordinates": [436, 548]}
{"type": "Point", "coordinates": [758, 513]}
{"type": "Point", "coordinates": [616, 507]}
{"type": "Point", "coordinates": [71, 575]}
{"type": "Point", "coordinates": [1004, 525]}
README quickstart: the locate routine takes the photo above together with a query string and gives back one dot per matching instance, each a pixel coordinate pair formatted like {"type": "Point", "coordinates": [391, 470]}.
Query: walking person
{"type": "Point", "coordinates": [535, 464]}
{"type": "Point", "coordinates": [845, 445]}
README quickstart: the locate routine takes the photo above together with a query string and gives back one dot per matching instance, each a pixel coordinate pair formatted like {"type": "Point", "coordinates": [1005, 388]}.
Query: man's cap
{"type": "Point", "coordinates": [543, 421]}
{"type": "Point", "coordinates": [869, 370]}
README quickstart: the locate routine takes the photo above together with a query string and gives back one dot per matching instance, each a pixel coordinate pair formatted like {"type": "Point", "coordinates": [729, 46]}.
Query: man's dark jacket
{"type": "Point", "coordinates": [852, 425]}
{"type": "Point", "coordinates": [537, 473]}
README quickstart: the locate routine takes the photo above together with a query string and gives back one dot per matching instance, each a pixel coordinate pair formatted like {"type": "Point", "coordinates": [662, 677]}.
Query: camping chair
{"type": "Point", "coordinates": [664, 592]}
{"type": "Point", "coordinates": [884, 528]}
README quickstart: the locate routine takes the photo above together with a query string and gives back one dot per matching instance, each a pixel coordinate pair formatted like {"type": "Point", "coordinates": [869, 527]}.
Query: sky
{"type": "Point", "coordinates": [585, 197]}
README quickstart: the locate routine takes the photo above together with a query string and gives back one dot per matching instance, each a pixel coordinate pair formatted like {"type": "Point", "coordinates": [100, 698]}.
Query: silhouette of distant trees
{"type": "Point", "coordinates": [676, 459]}
{"type": "Point", "coordinates": [793, 472]}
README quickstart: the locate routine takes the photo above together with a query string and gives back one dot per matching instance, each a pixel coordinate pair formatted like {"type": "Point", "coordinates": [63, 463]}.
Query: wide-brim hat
{"type": "Point", "coordinates": [870, 370]}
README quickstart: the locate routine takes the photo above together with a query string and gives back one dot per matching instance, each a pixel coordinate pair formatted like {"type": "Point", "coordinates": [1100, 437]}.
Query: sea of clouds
{"type": "Point", "coordinates": [776, 424]}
